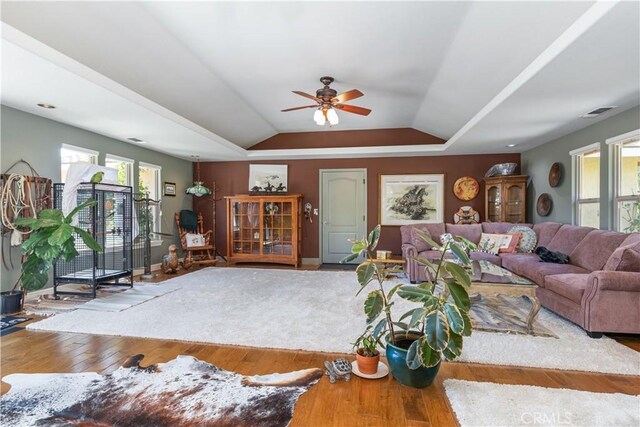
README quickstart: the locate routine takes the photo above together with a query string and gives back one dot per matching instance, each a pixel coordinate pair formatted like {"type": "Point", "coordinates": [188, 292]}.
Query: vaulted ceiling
{"type": "Point", "coordinates": [210, 78]}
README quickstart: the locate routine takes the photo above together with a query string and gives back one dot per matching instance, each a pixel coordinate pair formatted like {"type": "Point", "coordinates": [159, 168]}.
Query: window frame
{"type": "Point", "coordinates": [129, 162]}
{"type": "Point", "coordinates": [158, 215]}
{"type": "Point", "coordinates": [93, 153]}
{"type": "Point", "coordinates": [576, 185]}
{"type": "Point", "coordinates": [615, 143]}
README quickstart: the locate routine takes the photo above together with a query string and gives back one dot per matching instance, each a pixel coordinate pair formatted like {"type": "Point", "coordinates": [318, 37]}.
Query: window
{"type": "Point", "coordinates": [586, 167]}
{"type": "Point", "coordinates": [124, 167]}
{"type": "Point", "coordinates": [149, 183]}
{"type": "Point", "coordinates": [626, 169]}
{"type": "Point", "coordinates": [70, 154]}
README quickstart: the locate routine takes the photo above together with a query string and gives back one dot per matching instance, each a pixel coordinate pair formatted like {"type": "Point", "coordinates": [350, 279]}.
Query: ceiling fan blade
{"type": "Point", "coordinates": [306, 95]}
{"type": "Point", "coordinates": [347, 96]}
{"type": "Point", "coordinates": [353, 109]}
{"type": "Point", "coordinates": [299, 108]}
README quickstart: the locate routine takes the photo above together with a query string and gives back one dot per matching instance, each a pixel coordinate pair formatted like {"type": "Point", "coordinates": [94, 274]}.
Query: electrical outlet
{"type": "Point", "coordinates": [315, 212]}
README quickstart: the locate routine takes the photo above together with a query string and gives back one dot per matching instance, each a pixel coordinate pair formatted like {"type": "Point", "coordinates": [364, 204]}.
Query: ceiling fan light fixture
{"type": "Point", "coordinates": [319, 117]}
{"type": "Point", "coordinates": [332, 116]}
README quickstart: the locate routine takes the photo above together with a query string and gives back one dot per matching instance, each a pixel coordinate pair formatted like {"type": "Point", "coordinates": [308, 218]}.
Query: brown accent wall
{"type": "Point", "coordinates": [303, 177]}
{"type": "Point", "coordinates": [347, 138]}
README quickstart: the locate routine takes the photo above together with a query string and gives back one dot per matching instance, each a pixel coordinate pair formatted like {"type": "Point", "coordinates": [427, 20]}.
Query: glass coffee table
{"type": "Point", "coordinates": [490, 280]}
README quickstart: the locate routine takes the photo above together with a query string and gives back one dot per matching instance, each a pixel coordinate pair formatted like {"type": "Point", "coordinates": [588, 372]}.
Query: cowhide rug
{"type": "Point", "coordinates": [183, 392]}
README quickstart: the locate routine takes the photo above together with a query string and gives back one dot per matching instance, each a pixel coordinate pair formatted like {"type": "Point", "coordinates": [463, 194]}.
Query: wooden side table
{"type": "Point", "coordinates": [393, 261]}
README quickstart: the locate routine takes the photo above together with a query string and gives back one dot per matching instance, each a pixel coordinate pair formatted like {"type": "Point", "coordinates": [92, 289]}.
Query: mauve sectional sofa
{"type": "Point", "coordinates": [599, 289]}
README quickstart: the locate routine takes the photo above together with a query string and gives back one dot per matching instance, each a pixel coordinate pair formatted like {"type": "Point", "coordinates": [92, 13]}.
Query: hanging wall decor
{"type": "Point", "coordinates": [466, 188]}
{"type": "Point", "coordinates": [267, 179]}
{"type": "Point", "coordinates": [544, 204]}
{"type": "Point", "coordinates": [555, 174]}
{"type": "Point", "coordinates": [411, 199]}
{"type": "Point", "coordinates": [466, 215]}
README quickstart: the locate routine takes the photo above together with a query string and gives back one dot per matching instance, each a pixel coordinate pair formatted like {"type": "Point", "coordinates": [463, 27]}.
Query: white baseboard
{"type": "Point", "coordinates": [310, 261]}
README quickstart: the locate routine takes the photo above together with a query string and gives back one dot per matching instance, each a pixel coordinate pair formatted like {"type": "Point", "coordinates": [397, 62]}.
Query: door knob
{"type": "Point", "coordinates": [325, 222]}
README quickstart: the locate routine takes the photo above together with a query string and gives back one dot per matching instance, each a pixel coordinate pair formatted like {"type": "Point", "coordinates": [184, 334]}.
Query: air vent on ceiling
{"type": "Point", "coordinates": [138, 140]}
{"type": "Point", "coordinates": [598, 111]}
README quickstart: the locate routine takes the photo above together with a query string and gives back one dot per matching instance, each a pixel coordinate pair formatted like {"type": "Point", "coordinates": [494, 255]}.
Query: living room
{"type": "Point", "coordinates": [229, 157]}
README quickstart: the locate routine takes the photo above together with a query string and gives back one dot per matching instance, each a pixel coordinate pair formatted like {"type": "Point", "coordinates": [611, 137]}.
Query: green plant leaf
{"type": "Point", "coordinates": [454, 317]}
{"type": "Point", "coordinates": [88, 239]}
{"type": "Point", "coordinates": [380, 328]}
{"type": "Point", "coordinates": [60, 235]}
{"type": "Point", "coordinates": [85, 204]}
{"type": "Point", "coordinates": [393, 291]}
{"type": "Point", "coordinates": [69, 251]}
{"type": "Point", "coordinates": [34, 280]}
{"type": "Point", "coordinates": [365, 272]}
{"type": "Point", "coordinates": [454, 347]}
{"type": "Point", "coordinates": [349, 258]}
{"type": "Point", "coordinates": [468, 243]}
{"type": "Point", "coordinates": [358, 247]}
{"type": "Point", "coordinates": [373, 305]}
{"type": "Point", "coordinates": [458, 273]}
{"type": "Point", "coordinates": [26, 222]}
{"type": "Point", "coordinates": [413, 358]}
{"type": "Point", "coordinates": [460, 296]}
{"type": "Point", "coordinates": [36, 224]}
{"type": "Point", "coordinates": [460, 253]}
{"type": "Point", "coordinates": [47, 251]}
{"type": "Point", "coordinates": [417, 317]}
{"type": "Point", "coordinates": [52, 214]}
{"type": "Point", "coordinates": [414, 293]}
{"type": "Point", "coordinates": [430, 357]}
{"type": "Point", "coordinates": [427, 238]}
{"type": "Point", "coordinates": [436, 329]}
{"type": "Point", "coordinates": [374, 236]}
{"type": "Point", "coordinates": [467, 323]}
{"type": "Point", "coordinates": [408, 313]}
{"type": "Point", "coordinates": [35, 239]}
{"type": "Point", "coordinates": [402, 325]}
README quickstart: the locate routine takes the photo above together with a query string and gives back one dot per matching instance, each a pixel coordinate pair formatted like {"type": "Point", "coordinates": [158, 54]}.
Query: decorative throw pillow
{"type": "Point", "coordinates": [625, 258]}
{"type": "Point", "coordinates": [510, 245]}
{"type": "Point", "coordinates": [528, 240]}
{"type": "Point", "coordinates": [417, 241]}
{"type": "Point", "coordinates": [445, 238]}
{"type": "Point", "coordinates": [491, 243]}
{"type": "Point", "coordinates": [194, 240]}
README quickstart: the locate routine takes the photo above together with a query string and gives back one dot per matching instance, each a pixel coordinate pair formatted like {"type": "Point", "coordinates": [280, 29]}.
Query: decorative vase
{"type": "Point", "coordinates": [397, 358]}
{"type": "Point", "coordinates": [11, 302]}
{"type": "Point", "coordinates": [367, 365]}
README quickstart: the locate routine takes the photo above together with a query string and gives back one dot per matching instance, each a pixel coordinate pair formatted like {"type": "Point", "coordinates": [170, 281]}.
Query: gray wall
{"type": "Point", "coordinates": [38, 140]}
{"type": "Point", "coordinates": [536, 163]}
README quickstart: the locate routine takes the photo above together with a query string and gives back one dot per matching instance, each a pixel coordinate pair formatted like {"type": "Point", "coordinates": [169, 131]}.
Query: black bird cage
{"type": "Point", "coordinates": [110, 223]}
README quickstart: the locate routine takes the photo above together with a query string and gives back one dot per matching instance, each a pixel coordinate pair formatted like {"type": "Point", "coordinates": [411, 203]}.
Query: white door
{"type": "Point", "coordinates": [343, 201]}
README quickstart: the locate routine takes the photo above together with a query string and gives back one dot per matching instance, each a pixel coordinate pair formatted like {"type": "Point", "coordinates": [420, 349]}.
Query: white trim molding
{"type": "Point", "coordinates": [590, 147]}
{"type": "Point", "coordinates": [625, 137]}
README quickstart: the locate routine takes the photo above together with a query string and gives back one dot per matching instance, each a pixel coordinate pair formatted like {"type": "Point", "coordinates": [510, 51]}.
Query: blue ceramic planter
{"type": "Point", "coordinates": [396, 357]}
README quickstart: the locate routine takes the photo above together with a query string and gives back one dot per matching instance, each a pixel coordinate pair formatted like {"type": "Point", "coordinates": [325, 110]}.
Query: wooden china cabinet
{"type": "Point", "coordinates": [505, 198]}
{"type": "Point", "coordinates": [264, 229]}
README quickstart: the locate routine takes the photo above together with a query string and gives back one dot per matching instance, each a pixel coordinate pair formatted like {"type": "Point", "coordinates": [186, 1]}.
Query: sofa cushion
{"type": "Point", "coordinates": [491, 243]}
{"type": "Point", "coordinates": [483, 256]}
{"type": "Point", "coordinates": [435, 230]}
{"type": "Point", "coordinates": [528, 238]}
{"type": "Point", "coordinates": [571, 285]}
{"type": "Point", "coordinates": [512, 246]}
{"type": "Point", "coordinates": [545, 232]}
{"type": "Point", "coordinates": [499, 227]}
{"type": "Point", "coordinates": [625, 258]}
{"type": "Point", "coordinates": [567, 238]}
{"type": "Point", "coordinates": [434, 255]}
{"type": "Point", "coordinates": [529, 266]}
{"type": "Point", "coordinates": [595, 249]}
{"type": "Point", "coordinates": [470, 232]}
{"type": "Point", "coordinates": [417, 241]}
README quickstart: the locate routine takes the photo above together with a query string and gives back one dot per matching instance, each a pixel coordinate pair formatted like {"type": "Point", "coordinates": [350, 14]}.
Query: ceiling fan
{"type": "Point", "coordinates": [327, 100]}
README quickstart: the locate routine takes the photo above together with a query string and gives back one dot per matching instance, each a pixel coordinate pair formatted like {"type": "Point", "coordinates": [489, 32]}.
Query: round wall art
{"type": "Point", "coordinates": [466, 188]}
{"type": "Point", "coordinates": [555, 174]}
{"type": "Point", "coordinates": [544, 204]}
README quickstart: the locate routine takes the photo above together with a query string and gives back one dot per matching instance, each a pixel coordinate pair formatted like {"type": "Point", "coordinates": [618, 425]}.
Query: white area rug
{"type": "Point", "coordinates": [489, 404]}
{"type": "Point", "coordinates": [123, 300]}
{"type": "Point", "coordinates": [318, 311]}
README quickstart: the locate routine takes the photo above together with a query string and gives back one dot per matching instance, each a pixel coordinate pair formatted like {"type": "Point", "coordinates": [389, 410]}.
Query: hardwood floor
{"type": "Point", "coordinates": [358, 402]}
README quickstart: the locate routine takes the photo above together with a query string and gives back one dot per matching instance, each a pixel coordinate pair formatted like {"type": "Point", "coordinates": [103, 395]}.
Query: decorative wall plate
{"type": "Point", "coordinates": [544, 204]}
{"type": "Point", "coordinates": [466, 188]}
{"type": "Point", "coordinates": [555, 174]}
{"type": "Point", "coordinates": [466, 215]}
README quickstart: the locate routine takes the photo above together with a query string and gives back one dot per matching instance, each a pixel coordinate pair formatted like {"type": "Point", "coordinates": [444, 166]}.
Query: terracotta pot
{"type": "Point", "coordinates": [368, 365]}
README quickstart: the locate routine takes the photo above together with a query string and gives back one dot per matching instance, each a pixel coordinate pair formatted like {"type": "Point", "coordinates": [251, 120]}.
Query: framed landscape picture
{"type": "Point", "coordinates": [268, 178]}
{"type": "Point", "coordinates": [411, 199]}
{"type": "Point", "coordinates": [169, 189]}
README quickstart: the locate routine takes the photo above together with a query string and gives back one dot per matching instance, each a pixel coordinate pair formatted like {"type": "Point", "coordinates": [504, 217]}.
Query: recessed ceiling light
{"type": "Point", "coordinates": [511, 145]}
{"type": "Point", "coordinates": [137, 140]}
{"type": "Point", "coordinates": [49, 106]}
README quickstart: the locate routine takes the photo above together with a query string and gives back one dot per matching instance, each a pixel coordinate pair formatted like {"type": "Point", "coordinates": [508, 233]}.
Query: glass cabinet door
{"type": "Point", "coordinates": [494, 203]}
{"type": "Point", "coordinates": [513, 205]}
{"type": "Point", "coordinates": [246, 227]}
{"type": "Point", "coordinates": [277, 233]}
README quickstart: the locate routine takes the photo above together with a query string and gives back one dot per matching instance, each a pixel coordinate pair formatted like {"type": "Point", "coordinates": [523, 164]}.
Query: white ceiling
{"type": "Point", "coordinates": [211, 78]}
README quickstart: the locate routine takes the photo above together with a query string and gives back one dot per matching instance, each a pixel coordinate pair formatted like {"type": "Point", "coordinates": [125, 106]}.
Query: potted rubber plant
{"type": "Point", "coordinates": [420, 338]}
{"type": "Point", "coordinates": [51, 238]}
{"type": "Point", "coordinates": [367, 354]}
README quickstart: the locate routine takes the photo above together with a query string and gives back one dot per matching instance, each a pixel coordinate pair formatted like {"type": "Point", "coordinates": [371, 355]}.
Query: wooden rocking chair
{"type": "Point", "coordinates": [190, 225]}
